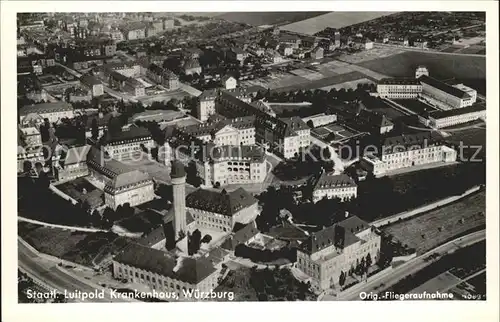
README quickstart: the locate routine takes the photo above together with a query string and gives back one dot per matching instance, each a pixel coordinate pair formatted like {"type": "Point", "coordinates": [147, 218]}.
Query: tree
{"type": "Point", "coordinates": [206, 239]}
{"type": "Point", "coordinates": [342, 278]}
{"type": "Point", "coordinates": [368, 261]}
{"type": "Point", "coordinates": [327, 153]}
{"type": "Point", "coordinates": [310, 123]}
{"type": "Point", "coordinates": [95, 129]}
{"type": "Point", "coordinates": [27, 166]}
{"type": "Point", "coordinates": [194, 242]}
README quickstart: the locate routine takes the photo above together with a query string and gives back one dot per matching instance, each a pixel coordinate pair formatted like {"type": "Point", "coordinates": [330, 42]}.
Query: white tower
{"type": "Point", "coordinates": [178, 175]}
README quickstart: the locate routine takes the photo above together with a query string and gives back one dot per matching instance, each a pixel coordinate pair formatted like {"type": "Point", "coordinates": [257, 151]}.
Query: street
{"type": "Point", "coordinates": [47, 272]}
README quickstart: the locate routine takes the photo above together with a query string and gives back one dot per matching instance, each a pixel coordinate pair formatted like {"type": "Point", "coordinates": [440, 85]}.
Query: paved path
{"type": "Point", "coordinates": [383, 281]}
{"type": "Point", "coordinates": [72, 228]}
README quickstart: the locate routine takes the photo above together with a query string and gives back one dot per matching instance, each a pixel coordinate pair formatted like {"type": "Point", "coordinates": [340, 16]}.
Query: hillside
{"type": "Point", "coordinates": [471, 70]}
{"type": "Point", "coordinates": [332, 19]}
{"type": "Point", "coordinates": [268, 18]}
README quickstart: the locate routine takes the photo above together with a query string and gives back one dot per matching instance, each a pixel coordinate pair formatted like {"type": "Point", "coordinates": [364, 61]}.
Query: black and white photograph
{"type": "Point", "coordinates": [311, 156]}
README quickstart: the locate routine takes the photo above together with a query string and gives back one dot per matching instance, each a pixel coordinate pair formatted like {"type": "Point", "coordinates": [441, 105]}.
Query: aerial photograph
{"type": "Point", "coordinates": [251, 156]}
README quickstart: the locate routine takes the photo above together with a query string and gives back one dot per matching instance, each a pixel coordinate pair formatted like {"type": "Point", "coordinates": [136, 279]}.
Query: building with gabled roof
{"type": "Point", "coordinates": [222, 210]}
{"type": "Point", "coordinates": [129, 141]}
{"type": "Point", "coordinates": [54, 112]}
{"type": "Point", "coordinates": [336, 250]}
{"type": "Point", "coordinates": [331, 185]}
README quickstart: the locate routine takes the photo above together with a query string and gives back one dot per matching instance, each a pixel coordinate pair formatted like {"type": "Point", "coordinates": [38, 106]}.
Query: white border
{"type": "Point", "coordinates": [339, 311]}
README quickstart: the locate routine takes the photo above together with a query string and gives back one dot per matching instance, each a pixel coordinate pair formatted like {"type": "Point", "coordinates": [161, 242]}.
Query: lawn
{"type": "Point", "coordinates": [238, 282]}
{"type": "Point", "coordinates": [327, 81]}
{"type": "Point", "coordinates": [470, 70]}
{"type": "Point", "coordinates": [52, 241]}
{"type": "Point", "coordinates": [81, 190]}
{"type": "Point", "coordinates": [423, 232]}
{"type": "Point", "coordinates": [79, 247]}
{"type": "Point", "coordinates": [472, 139]}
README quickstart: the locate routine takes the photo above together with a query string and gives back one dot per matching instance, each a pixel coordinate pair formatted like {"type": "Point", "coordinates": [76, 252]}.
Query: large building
{"type": "Point", "coordinates": [408, 151]}
{"type": "Point", "coordinates": [74, 164]}
{"type": "Point", "coordinates": [221, 131]}
{"type": "Point", "coordinates": [206, 104]}
{"type": "Point", "coordinates": [54, 112]}
{"type": "Point", "coordinates": [222, 210]}
{"type": "Point", "coordinates": [337, 249]}
{"type": "Point", "coordinates": [447, 95]}
{"type": "Point", "coordinates": [121, 183]}
{"type": "Point", "coordinates": [160, 260]}
{"type": "Point", "coordinates": [331, 185]}
{"type": "Point", "coordinates": [441, 119]}
{"type": "Point", "coordinates": [93, 84]}
{"type": "Point", "coordinates": [399, 88]}
{"type": "Point", "coordinates": [285, 136]}
{"type": "Point", "coordinates": [128, 142]}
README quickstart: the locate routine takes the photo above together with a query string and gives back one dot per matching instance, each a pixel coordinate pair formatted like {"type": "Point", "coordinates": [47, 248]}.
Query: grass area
{"type": "Point", "coordinates": [80, 189]}
{"type": "Point", "coordinates": [52, 241]}
{"type": "Point", "coordinates": [327, 81]}
{"type": "Point", "coordinates": [334, 20]}
{"type": "Point", "coordinates": [268, 18]}
{"type": "Point", "coordinates": [79, 247]}
{"type": "Point", "coordinates": [280, 108]}
{"type": "Point", "coordinates": [470, 70]}
{"type": "Point", "coordinates": [437, 226]}
{"type": "Point", "coordinates": [144, 221]}
{"type": "Point", "coordinates": [472, 139]}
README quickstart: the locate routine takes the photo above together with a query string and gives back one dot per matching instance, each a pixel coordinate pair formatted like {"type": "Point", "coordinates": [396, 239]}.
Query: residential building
{"type": "Point", "coordinates": [168, 24]}
{"type": "Point", "coordinates": [206, 104]}
{"type": "Point", "coordinates": [286, 50]}
{"type": "Point", "coordinates": [237, 54]}
{"type": "Point", "coordinates": [229, 82]}
{"type": "Point", "coordinates": [161, 76]}
{"type": "Point", "coordinates": [134, 87]}
{"type": "Point", "coordinates": [221, 211]}
{"type": "Point", "coordinates": [54, 112]}
{"type": "Point", "coordinates": [192, 66]}
{"type": "Point", "coordinates": [133, 31]}
{"type": "Point", "coordinates": [31, 136]}
{"type": "Point", "coordinates": [74, 164]}
{"type": "Point", "coordinates": [317, 53]}
{"type": "Point", "coordinates": [289, 39]}
{"type": "Point", "coordinates": [454, 97]}
{"type": "Point", "coordinates": [399, 88]}
{"type": "Point", "coordinates": [337, 249]}
{"type": "Point", "coordinates": [331, 185]}
{"type": "Point", "coordinates": [93, 84]}
{"type": "Point", "coordinates": [321, 119]}
{"type": "Point", "coordinates": [373, 122]}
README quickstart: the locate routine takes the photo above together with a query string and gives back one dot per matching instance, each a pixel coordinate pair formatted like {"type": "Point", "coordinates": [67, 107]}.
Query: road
{"type": "Point", "coordinates": [426, 50]}
{"type": "Point", "coordinates": [48, 273]}
{"type": "Point", "coordinates": [379, 283]}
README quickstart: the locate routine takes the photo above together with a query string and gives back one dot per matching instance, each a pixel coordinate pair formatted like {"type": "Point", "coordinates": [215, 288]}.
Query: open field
{"type": "Point", "coordinates": [381, 106]}
{"type": "Point", "coordinates": [470, 70]}
{"type": "Point", "coordinates": [334, 20]}
{"type": "Point", "coordinates": [422, 232]}
{"type": "Point", "coordinates": [327, 81]}
{"type": "Point", "coordinates": [280, 108]}
{"type": "Point", "coordinates": [268, 18]}
{"type": "Point", "coordinates": [376, 52]}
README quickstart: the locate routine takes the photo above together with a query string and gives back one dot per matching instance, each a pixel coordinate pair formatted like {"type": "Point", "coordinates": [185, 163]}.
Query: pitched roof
{"type": "Point", "coordinates": [45, 108]}
{"type": "Point", "coordinates": [131, 133]}
{"type": "Point", "coordinates": [188, 270]}
{"type": "Point", "coordinates": [242, 235]}
{"type": "Point", "coordinates": [90, 80]}
{"type": "Point", "coordinates": [443, 87]}
{"type": "Point", "coordinates": [250, 153]}
{"type": "Point", "coordinates": [399, 81]}
{"type": "Point", "coordinates": [331, 180]}
{"type": "Point", "coordinates": [439, 114]}
{"type": "Point", "coordinates": [129, 178]}
{"type": "Point", "coordinates": [227, 204]}
{"type": "Point", "coordinates": [410, 141]}
{"type": "Point", "coordinates": [208, 94]}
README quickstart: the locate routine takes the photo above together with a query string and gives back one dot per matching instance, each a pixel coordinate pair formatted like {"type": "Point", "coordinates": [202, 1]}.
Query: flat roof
{"type": "Point", "coordinates": [443, 87]}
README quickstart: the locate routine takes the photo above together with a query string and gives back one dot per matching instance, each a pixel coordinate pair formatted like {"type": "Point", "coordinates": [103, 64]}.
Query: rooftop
{"type": "Point", "coordinates": [225, 203]}
{"type": "Point", "coordinates": [331, 180]}
{"type": "Point", "coordinates": [457, 111]}
{"type": "Point", "coordinates": [443, 87]}
{"type": "Point", "coordinates": [399, 81]}
{"type": "Point", "coordinates": [189, 270]}
{"type": "Point", "coordinates": [45, 108]}
{"type": "Point", "coordinates": [133, 132]}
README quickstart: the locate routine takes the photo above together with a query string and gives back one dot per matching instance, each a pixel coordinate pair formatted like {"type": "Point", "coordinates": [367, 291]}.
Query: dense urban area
{"type": "Point", "coordinates": [250, 157]}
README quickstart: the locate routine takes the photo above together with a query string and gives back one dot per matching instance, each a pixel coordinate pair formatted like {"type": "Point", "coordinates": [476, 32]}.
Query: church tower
{"type": "Point", "coordinates": [178, 175]}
